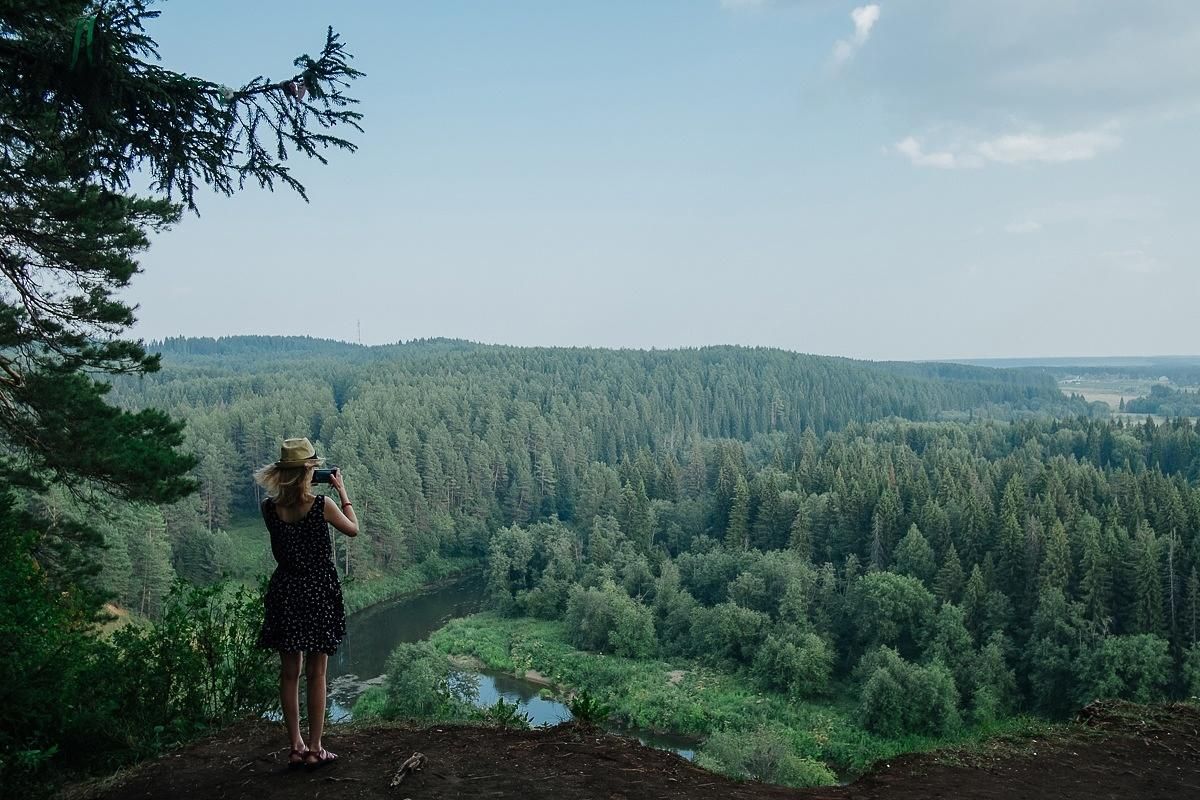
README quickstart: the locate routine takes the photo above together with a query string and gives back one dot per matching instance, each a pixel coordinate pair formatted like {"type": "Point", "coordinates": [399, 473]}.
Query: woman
{"type": "Point", "coordinates": [304, 613]}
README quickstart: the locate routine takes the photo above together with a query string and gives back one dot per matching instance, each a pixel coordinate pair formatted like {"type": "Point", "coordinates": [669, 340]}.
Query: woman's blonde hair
{"type": "Point", "coordinates": [288, 485]}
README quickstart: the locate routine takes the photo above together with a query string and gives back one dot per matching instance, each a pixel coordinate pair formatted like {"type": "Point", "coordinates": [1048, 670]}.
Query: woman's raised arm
{"type": "Point", "coordinates": [343, 518]}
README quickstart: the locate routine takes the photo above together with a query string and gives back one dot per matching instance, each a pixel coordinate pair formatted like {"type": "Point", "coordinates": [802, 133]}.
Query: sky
{"type": "Point", "coordinates": [906, 179]}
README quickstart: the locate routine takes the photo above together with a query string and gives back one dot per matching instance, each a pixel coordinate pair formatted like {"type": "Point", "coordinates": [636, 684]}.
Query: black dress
{"type": "Point", "coordinates": [304, 599]}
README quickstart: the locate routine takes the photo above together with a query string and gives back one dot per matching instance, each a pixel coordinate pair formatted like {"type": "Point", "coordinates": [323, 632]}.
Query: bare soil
{"type": "Point", "coordinates": [1115, 750]}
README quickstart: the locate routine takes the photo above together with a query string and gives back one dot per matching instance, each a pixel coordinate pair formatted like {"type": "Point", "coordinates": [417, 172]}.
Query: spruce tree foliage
{"type": "Point", "coordinates": [86, 112]}
{"type": "Point", "coordinates": [85, 109]}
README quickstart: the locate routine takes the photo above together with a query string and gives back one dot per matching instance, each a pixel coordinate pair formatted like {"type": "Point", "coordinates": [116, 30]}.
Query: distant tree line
{"type": "Point", "coordinates": [1165, 401]}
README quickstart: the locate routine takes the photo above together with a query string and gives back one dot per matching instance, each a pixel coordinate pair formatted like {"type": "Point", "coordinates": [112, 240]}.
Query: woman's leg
{"type": "Point", "coordinates": [289, 696]}
{"type": "Point", "coordinates": [314, 673]}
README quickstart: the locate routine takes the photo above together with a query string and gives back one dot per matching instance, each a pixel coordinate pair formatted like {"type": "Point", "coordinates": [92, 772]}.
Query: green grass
{"type": "Point", "coordinates": [705, 701]}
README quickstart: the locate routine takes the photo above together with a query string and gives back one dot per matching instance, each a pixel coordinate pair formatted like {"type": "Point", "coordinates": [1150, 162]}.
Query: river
{"type": "Point", "coordinates": [374, 632]}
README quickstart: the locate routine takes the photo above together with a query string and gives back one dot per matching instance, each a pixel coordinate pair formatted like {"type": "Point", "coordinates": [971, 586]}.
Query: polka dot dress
{"type": "Point", "coordinates": [304, 599]}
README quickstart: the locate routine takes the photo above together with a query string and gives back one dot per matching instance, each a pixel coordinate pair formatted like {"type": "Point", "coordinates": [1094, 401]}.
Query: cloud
{"type": "Point", "coordinates": [1027, 226]}
{"type": "Point", "coordinates": [864, 18]}
{"type": "Point", "coordinates": [1023, 147]}
{"type": "Point", "coordinates": [910, 148]}
{"type": "Point", "coordinates": [1014, 148]}
{"type": "Point", "coordinates": [1064, 63]}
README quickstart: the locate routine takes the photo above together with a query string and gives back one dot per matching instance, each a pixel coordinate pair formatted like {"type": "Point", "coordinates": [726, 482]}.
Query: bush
{"type": "Point", "coordinates": [729, 633]}
{"type": "Point", "coordinates": [608, 620]}
{"type": "Point", "coordinates": [586, 708]}
{"type": "Point", "coordinates": [422, 684]}
{"type": "Point", "coordinates": [633, 636]}
{"type": "Point", "coordinates": [795, 663]}
{"type": "Point", "coordinates": [503, 715]}
{"type": "Point", "coordinates": [899, 698]}
{"type": "Point", "coordinates": [199, 666]}
{"type": "Point", "coordinates": [1191, 672]}
{"type": "Point", "coordinates": [763, 754]}
{"type": "Point", "coordinates": [1133, 668]}
{"type": "Point", "coordinates": [73, 701]}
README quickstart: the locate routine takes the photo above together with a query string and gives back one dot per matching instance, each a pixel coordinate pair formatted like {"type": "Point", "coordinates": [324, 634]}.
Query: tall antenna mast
{"type": "Point", "coordinates": [359, 331]}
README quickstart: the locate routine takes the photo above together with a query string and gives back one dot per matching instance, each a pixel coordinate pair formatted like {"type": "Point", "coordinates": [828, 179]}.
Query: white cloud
{"type": "Point", "coordinates": [1026, 226]}
{"type": "Point", "coordinates": [864, 18]}
{"type": "Point", "coordinates": [910, 148]}
{"type": "Point", "coordinates": [1024, 147]}
{"type": "Point", "coordinates": [1016, 148]}
{"type": "Point", "coordinates": [1066, 63]}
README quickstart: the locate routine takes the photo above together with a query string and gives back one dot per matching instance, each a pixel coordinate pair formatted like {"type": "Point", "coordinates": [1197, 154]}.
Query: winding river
{"type": "Point", "coordinates": [373, 633]}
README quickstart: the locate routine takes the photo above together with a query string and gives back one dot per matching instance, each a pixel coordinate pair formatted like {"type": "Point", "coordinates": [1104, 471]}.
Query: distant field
{"type": "Point", "coordinates": [1112, 391]}
{"type": "Point", "coordinates": [1109, 392]}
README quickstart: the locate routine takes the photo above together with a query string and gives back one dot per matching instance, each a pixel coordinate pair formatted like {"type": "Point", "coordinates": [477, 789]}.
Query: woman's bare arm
{"type": "Point", "coordinates": [343, 518]}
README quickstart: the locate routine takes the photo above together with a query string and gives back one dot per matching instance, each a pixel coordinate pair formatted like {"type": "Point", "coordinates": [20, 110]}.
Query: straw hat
{"type": "Point", "coordinates": [296, 453]}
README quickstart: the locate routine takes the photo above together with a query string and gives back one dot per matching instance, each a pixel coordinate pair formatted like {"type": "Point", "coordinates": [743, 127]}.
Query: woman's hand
{"type": "Point", "coordinates": [336, 481]}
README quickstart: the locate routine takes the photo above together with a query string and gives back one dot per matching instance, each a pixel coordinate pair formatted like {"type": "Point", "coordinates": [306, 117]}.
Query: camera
{"type": "Point", "coordinates": [323, 475]}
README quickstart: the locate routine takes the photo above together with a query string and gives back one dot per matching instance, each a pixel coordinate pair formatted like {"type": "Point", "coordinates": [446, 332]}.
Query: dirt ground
{"type": "Point", "coordinates": [1116, 751]}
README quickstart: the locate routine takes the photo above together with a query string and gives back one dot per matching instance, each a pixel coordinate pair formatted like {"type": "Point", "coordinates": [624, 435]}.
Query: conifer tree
{"type": "Point", "coordinates": [1148, 582]}
{"type": "Point", "coordinates": [84, 110]}
{"type": "Point", "coordinates": [800, 539]}
{"type": "Point", "coordinates": [914, 556]}
{"type": "Point", "coordinates": [1056, 561]}
{"type": "Point", "coordinates": [950, 578]}
{"type": "Point", "coordinates": [1192, 607]}
{"type": "Point", "coordinates": [1095, 583]}
{"type": "Point", "coordinates": [737, 533]}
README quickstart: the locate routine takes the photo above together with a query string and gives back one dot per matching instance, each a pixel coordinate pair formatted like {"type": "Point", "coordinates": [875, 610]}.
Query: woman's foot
{"type": "Point", "coordinates": [319, 758]}
{"type": "Point", "coordinates": [296, 757]}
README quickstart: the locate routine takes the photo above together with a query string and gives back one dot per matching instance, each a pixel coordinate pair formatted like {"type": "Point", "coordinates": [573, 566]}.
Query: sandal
{"type": "Point", "coordinates": [322, 757]}
{"type": "Point", "coordinates": [302, 754]}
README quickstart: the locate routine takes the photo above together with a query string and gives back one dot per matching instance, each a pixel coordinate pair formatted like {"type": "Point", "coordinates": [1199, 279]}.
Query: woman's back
{"type": "Point", "coordinates": [299, 538]}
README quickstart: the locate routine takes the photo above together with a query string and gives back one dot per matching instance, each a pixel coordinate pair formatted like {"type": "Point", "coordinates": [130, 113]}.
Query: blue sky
{"type": "Point", "coordinates": [901, 179]}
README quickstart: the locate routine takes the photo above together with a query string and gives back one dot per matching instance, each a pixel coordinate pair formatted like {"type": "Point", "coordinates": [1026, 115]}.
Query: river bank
{"type": "Point", "coordinates": [360, 594]}
{"type": "Point", "coordinates": [699, 701]}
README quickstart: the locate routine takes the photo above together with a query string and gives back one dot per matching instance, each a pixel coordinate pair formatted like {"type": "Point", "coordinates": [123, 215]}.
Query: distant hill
{"type": "Point", "coordinates": [1184, 370]}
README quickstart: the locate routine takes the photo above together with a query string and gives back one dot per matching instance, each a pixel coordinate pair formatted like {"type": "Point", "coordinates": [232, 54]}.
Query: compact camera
{"type": "Point", "coordinates": [323, 475]}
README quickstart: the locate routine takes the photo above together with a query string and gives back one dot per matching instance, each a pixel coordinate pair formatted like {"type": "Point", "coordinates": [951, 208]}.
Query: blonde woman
{"type": "Point", "coordinates": [304, 613]}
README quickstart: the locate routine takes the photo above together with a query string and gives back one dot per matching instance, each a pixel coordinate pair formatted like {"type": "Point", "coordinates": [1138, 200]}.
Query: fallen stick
{"type": "Point", "coordinates": [410, 765]}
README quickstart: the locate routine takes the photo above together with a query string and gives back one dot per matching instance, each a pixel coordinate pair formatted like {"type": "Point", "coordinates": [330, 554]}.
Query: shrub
{"type": "Point", "coordinates": [422, 684]}
{"type": "Point", "coordinates": [796, 663]}
{"type": "Point", "coordinates": [899, 697]}
{"type": "Point", "coordinates": [503, 715]}
{"type": "Point", "coordinates": [74, 701]}
{"type": "Point", "coordinates": [608, 620]}
{"type": "Point", "coordinates": [199, 665]}
{"type": "Point", "coordinates": [762, 754]}
{"type": "Point", "coordinates": [587, 708]}
{"type": "Point", "coordinates": [1135, 667]}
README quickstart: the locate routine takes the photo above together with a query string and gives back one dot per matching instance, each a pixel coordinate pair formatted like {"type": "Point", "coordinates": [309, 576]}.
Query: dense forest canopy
{"type": "Point", "coordinates": [448, 440]}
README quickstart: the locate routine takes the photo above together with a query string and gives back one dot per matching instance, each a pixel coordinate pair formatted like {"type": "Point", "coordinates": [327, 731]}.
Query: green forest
{"type": "Point", "coordinates": [839, 560]}
{"type": "Point", "coordinates": [923, 550]}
